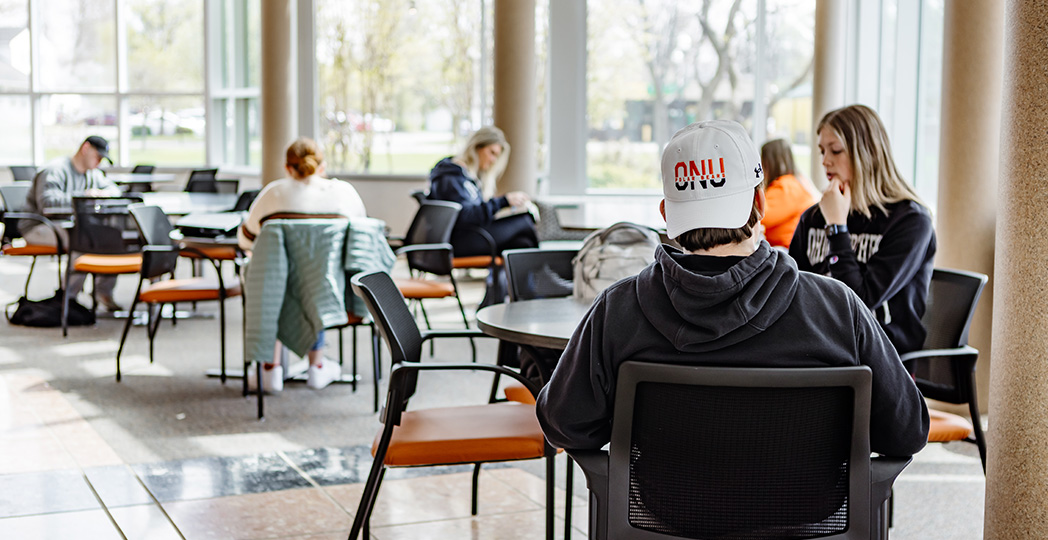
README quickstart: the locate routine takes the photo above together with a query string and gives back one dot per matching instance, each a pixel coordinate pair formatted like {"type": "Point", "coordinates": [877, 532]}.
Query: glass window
{"type": "Point", "coordinates": [788, 71]}
{"type": "Point", "coordinates": [929, 96]}
{"type": "Point", "coordinates": [14, 45]}
{"type": "Point", "coordinates": [68, 119]}
{"type": "Point", "coordinates": [77, 44]}
{"type": "Point", "coordinates": [653, 68]}
{"type": "Point", "coordinates": [166, 131]}
{"type": "Point", "coordinates": [165, 45]}
{"type": "Point", "coordinates": [15, 144]}
{"type": "Point", "coordinates": [400, 81]}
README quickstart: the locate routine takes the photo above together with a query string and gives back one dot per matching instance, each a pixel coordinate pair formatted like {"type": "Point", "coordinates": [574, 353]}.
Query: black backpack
{"type": "Point", "coordinates": [48, 312]}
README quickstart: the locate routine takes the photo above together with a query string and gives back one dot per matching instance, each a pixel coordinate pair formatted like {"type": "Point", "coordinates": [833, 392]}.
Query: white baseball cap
{"type": "Point", "coordinates": [709, 170]}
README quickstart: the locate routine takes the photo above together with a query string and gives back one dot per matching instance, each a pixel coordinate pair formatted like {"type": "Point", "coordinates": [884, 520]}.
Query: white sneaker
{"type": "Point", "coordinates": [328, 372]}
{"type": "Point", "coordinates": [272, 379]}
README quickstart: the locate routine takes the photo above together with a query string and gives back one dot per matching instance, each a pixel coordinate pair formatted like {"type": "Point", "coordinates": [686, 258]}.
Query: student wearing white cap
{"type": "Point", "coordinates": [726, 299]}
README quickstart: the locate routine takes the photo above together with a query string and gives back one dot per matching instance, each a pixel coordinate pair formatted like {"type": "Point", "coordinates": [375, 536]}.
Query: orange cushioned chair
{"type": "Point", "coordinates": [12, 199]}
{"type": "Point", "coordinates": [427, 248]}
{"type": "Point", "coordinates": [944, 369]}
{"type": "Point", "coordinates": [442, 436]}
{"type": "Point", "coordinates": [102, 240]}
{"type": "Point", "coordinates": [158, 258]}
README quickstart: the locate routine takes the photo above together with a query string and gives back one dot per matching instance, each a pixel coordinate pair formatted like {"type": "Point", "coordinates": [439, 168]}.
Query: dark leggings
{"type": "Point", "coordinates": [513, 232]}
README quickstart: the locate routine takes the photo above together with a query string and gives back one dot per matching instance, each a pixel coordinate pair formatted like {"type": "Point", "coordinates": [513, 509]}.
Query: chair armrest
{"type": "Point", "coordinates": [466, 333]}
{"type": "Point", "coordinates": [595, 464]}
{"type": "Point", "coordinates": [424, 247]}
{"type": "Point", "coordinates": [963, 350]}
{"type": "Point", "coordinates": [40, 219]}
{"type": "Point", "coordinates": [158, 260]}
{"type": "Point", "coordinates": [883, 472]}
{"type": "Point", "coordinates": [408, 367]}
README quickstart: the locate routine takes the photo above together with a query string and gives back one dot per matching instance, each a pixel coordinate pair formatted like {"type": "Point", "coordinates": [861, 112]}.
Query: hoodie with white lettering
{"type": "Point", "coordinates": [755, 311]}
{"type": "Point", "coordinates": [887, 259]}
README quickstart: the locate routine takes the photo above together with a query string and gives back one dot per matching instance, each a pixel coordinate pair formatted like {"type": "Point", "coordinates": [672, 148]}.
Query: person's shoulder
{"type": "Point", "coordinates": [59, 165]}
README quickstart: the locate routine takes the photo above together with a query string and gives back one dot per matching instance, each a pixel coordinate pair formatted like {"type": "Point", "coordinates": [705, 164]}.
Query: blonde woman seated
{"type": "Point", "coordinates": [306, 191]}
{"type": "Point", "coordinates": [785, 191]}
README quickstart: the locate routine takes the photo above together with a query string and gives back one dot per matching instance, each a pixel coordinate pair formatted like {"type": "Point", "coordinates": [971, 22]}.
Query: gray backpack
{"type": "Point", "coordinates": [620, 251]}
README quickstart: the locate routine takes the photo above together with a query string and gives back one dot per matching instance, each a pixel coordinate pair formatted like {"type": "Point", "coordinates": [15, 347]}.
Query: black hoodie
{"type": "Point", "coordinates": [757, 311]}
{"type": "Point", "coordinates": [448, 181]}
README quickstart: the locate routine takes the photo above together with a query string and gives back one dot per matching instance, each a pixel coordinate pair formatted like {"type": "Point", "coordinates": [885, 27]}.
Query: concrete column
{"type": "Point", "coordinates": [831, 41]}
{"type": "Point", "coordinates": [279, 79]}
{"type": "Point", "coordinates": [515, 103]}
{"type": "Point", "coordinates": [1017, 468]}
{"type": "Point", "coordinates": [973, 47]}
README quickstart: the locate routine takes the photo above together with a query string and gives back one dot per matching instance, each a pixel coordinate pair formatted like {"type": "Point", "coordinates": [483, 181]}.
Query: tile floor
{"type": "Point", "coordinates": [168, 453]}
{"type": "Point", "coordinates": [59, 479]}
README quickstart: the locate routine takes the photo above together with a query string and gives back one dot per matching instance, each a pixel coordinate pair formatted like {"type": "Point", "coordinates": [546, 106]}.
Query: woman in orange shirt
{"type": "Point", "coordinates": [787, 196]}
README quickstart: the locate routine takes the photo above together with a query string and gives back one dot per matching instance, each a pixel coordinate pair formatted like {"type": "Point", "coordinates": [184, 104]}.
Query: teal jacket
{"type": "Point", "coordinates": [295, 283]}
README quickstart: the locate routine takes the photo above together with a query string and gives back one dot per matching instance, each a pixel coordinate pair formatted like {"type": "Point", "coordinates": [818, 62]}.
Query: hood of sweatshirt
{"type": "Point", "coordinates": [699, 313]}
{"type": "Point", "coordinates": [447, 167]}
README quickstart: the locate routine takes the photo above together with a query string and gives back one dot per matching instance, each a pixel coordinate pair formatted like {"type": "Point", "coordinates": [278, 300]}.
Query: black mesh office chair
{"type": "Point", "coordinates": [476, 434]}
{"type": "Point", "coordinates": [945, 368]}
{"type": "Point", "coordinates": [202, 181]}
{"type": "Point", "coordinates": [748, 453]}
{"type": "Point", "coordinates": [22, 173]}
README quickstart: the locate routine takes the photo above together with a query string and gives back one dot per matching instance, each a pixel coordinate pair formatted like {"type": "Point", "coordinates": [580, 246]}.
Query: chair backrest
{"type": "Point", "coordinates": [155, 228]}
{"type": "Point", "coordinates": [227, 185]}
{"type": "Point", "coordinates": [100, 223]}
{"type": "Point", "coordinates": [202, 181]}
{"type": "Point", "coordinates": [952, 298]}
{"type": "Point", "coordinates": [244, 200]}
{"type": "Point", "coordinates": [22, 172]}
{"type": "Point", "coordinates": [153, 224]}
{"type": "Point", "coordinates": [12, 199]}
{"type": "Point", "coordinates": [433, 223]}
{"type": "Point", "coordinates": [143, 169]}
{"type": "Point", "coordinates": [392, 317]}
{"type": "Point", "coordinates": [13, 196]}
{"type": "Point", "coordinates": [747, 453]}
{"type": "Point", "coordinates": [538, 273]}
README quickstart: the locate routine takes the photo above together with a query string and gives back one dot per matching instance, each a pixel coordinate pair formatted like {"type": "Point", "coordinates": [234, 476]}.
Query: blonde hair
{"type": "Point", "coordinates": [304, 157]}
{"type": "Point", "coordinates": [876, 180]}
{"type": "Point", "coordinates": [776, 160]}
{"type": "Point", "coordinates": [485, 136]}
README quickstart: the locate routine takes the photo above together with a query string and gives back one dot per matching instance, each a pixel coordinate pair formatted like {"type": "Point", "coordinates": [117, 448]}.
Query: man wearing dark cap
{"type": "Point", "coordinates": [54, 186]}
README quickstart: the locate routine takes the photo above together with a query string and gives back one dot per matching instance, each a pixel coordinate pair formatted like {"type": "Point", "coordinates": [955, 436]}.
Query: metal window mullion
{"type": "Point", "coordinates": [35, 129]}
{"type": "Point", "coordinates": [123, 136]}
{"type": "Point", "coordinates": [760, 106]}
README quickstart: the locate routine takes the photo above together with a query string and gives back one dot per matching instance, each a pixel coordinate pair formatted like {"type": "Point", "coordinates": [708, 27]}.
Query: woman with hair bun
{"type": "Point", "coordinates": [306, 191]}
{"type": "Point", "coordinates": [870, 230]}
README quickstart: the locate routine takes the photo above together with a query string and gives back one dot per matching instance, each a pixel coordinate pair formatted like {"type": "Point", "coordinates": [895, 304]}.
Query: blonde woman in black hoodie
{"type": "Point", "coordinates": [870, 230]}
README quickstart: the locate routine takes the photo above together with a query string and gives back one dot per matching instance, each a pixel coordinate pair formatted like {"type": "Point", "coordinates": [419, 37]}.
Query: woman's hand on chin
{"type": "Point", "coordinates": [836, 202]}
